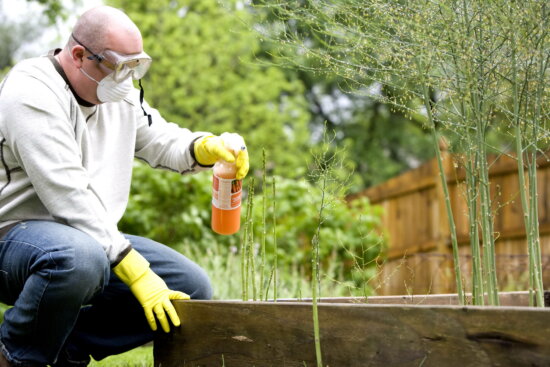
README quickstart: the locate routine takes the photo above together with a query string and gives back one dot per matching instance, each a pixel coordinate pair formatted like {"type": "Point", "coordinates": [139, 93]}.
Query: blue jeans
{"type": "Point", "coordinates": [68, 304]}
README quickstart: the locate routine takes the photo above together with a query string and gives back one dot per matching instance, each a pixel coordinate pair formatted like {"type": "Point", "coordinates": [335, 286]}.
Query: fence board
{"type": "Point", "coordinates": [415, 219]}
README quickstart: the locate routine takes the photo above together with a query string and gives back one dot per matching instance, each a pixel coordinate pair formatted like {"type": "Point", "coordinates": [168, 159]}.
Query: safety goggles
{"type": "Point", "coordinates": [123, 66]}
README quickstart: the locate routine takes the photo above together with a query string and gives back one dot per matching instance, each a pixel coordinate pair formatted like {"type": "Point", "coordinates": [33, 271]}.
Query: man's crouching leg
{"type": "Point", "coordinates": [114, 322]}
{"type": "Point", "coordinates": [48, 271]}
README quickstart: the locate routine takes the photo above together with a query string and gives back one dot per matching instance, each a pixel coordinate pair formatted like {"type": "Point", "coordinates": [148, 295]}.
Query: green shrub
{"type": "Point", "coordinates": [349, 238]}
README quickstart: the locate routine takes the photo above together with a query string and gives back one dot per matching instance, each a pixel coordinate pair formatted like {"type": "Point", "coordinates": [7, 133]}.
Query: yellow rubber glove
{"type": "Point", "coordinates": [242, 164]}
{"type": "Point", "coordinates": [150, 290]}
{"type": "Point", "coordinates": [210, 149]}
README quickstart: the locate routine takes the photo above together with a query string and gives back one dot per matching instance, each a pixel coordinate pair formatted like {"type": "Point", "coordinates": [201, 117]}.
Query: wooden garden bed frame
{"type": "Point", "coordinates": [379, 331]}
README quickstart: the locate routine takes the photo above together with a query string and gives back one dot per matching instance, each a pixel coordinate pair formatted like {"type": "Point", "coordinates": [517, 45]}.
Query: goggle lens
{"type": "Point", "coordinates": [125, 66]}
{"type": "Point", "coordinates": [134, 68]}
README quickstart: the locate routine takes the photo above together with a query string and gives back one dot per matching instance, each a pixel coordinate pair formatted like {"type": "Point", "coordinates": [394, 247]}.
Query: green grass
{"type": "Point", "coordinates": [139, 357]}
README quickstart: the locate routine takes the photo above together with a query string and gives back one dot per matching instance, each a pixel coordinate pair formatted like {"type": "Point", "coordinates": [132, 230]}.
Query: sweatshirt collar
{"type": "Point", "coordinates": [61, 72]}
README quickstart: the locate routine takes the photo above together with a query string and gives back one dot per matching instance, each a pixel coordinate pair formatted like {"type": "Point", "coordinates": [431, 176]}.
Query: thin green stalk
{"type": "Point", "coordinates": [273, 200]}
{"type": "Point", "coordinates": [243, 295]}
{"type": "Point", "coordinates": [250, 239]}
{"type": "Point", "coordinates": [252, 267]}
{"type": "Point", "coordinates": [482, 121]}
{"type": "Point", "coordinates": [244, 259]}
{"type": "Point", "coordinates": [477, 270]}
{"type": "Point", "coordinates": [525, 204]}
{"type": "Point", "coordinates": [533, 167]}
{"type": "Point", "coordinates": [541, 82]}
{"type": "Point", "coordinates": [245, 248]}
{"type": "Point", "coordinates": [450, 217]}
{"type": "Point", "coordinates": [268, 284]}
{"type": "Point", "coordinates": [315, 280]}
{"type": "Point", "coordinates": [528, 193]}
{"type": "Point", "coordinates": [316, 330]}
{"type": "Point", "coordinates": [537, 261]}
{"type": "Point", "coordinates": [527, 217]}
{"type": "Point", "coordinates": [442, 176]}
{"type": "Point", "coordinates": [264, 227]}
{"type": "Point", "coordinates": [487, 220]}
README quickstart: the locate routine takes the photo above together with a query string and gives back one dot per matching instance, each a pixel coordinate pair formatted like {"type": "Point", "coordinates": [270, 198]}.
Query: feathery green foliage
{"type": "Point", "coordinates": [462, 63]}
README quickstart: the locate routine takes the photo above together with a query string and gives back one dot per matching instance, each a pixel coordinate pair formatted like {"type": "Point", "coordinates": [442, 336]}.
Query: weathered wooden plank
{"type": "Point", "coordinates": [228, 333]}
{"type": "Point", "coordinates": [512, 299]}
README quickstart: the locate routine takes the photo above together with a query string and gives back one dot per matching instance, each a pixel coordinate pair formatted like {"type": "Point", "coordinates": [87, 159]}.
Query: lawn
{"type": "Point", "coordinates": [139, 357]}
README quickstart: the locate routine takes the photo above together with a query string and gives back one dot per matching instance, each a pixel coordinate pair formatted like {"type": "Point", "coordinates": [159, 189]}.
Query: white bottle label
{"type": "Point", "coordinates": [226, 193]}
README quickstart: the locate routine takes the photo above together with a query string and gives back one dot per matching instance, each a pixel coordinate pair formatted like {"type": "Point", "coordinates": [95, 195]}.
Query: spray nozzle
{"type": "Point", "coordinates": [234, 142]}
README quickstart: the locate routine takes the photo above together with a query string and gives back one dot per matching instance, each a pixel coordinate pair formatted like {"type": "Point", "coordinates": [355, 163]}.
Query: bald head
{"type": "Point", "coordinates": [99, 29]}
{"type": "Point", "coordinates": [105, 27]}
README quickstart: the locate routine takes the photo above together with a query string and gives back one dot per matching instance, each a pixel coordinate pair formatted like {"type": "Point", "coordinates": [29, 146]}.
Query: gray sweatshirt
{"type": "Point", "coordinates": [71, 164]}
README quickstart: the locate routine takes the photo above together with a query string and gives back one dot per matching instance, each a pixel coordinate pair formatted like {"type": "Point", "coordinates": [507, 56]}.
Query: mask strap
{"type": "Point", "coordinates": [88, 75]}
{"type": "Point", "coordinates": [141, 94]}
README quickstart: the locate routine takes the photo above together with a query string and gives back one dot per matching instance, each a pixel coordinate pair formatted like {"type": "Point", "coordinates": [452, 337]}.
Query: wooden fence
{"type": "Point", "coordinates": [419, 254]}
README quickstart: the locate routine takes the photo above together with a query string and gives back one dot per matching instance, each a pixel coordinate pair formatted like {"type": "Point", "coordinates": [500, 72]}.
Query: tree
{"type": "Point", "coordinates": [53, 9]}
{"type": "Point", "coordinates": [13, 35]}
{"type": "Point", "coordinates": [381, 140]}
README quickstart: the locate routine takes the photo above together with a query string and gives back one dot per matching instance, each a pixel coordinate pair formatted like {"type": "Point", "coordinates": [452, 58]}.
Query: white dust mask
{"type": "Point", "coordinates": [108, 90]}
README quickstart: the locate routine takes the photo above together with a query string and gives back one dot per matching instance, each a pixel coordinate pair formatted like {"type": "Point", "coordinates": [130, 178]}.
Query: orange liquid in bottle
{"type": "Point", "coordinates": [226, 199]}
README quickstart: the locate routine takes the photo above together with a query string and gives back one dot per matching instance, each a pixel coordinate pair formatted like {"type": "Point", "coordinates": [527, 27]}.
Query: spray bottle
{"type": "Point", "coordinates": [227, 190]}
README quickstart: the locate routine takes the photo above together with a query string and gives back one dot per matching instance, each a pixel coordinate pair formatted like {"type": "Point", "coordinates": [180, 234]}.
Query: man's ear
{"type": "Point", "coordinates": [77, 55]}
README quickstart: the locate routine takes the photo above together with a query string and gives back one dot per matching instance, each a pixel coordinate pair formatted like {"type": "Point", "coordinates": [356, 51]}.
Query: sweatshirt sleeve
{"type": "Point", "coordinates": [164, 144]}
{"type": "Point", "coordinates": [40, 131]}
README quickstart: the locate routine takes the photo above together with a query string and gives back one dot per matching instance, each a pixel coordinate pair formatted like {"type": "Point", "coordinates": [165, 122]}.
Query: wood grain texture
{"type": "Point", "coordinates": [246, 334]}
{"type": "Point", "coordinates": [514, 299]}
{"type": "Point", "coordinates": [419, 253]}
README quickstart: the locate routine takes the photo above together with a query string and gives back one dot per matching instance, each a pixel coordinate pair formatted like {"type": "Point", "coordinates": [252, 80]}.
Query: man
{"type": "Point", "coordinates": [71, 124]}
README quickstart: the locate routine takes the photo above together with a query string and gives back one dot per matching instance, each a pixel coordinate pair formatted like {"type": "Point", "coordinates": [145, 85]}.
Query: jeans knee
{"type": "Point", "coordinates": [204, 292]}
{"type": "Point", "coordinates": [203, 286]}
{"type": "Point", "coordinates": [95, 268]}
{"type": "Point", "coordinates": [194, 282]}
{"type": "Point", "coordinates": [84, 270]}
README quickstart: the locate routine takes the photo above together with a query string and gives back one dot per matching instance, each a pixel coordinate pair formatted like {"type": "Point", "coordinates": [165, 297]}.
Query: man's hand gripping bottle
{"type": "Point", "coordinates": [227, 190]}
